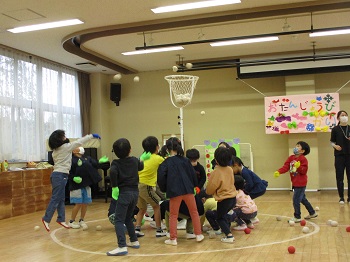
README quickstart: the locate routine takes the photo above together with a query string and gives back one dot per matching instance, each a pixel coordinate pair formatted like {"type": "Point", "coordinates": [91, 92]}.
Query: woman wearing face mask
{"type": "Point", "coordinates": [341, 143]}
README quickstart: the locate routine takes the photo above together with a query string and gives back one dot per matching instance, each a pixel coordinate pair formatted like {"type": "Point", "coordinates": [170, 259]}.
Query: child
{"type": "Point", "coordinates": [147, 186]}
{"type": "Point", "coordinates": [221, 186]}
{"type": "Point", "coordinates": [224, 144]}
{"type": "Point", "coordinates": [193, 155]}
{"type": "Point", "coordinates": [245, 209]}
{"type": "Point", "coordinates": [124, 181]}
{"type": "Point", "coordinates": [177, 178]}
{"type": "Point", "coordinates": [62, 158]}
{"type": "Point", "coordinates": [80, 178]}
{"type": "Point", "coordinates": [297, 165]}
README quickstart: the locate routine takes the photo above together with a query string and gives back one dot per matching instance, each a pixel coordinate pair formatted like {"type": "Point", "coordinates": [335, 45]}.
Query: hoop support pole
{"type": "Point", "coordinates": [182, 128]}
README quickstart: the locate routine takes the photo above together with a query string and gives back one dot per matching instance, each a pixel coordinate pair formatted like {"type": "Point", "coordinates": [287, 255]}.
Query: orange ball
{"type": "Point", "coordinates": [291, 250]}
{"type": "Point", "coordinates": [348, 229]}
{"type": "Point", "coordinates": [302, 223]}
{"type": "Point", "coordinates": [247, 230]}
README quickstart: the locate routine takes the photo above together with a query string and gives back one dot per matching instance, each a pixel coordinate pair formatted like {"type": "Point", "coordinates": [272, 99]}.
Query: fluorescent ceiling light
{"type": "Point", "coordinates": [153, 50]}
{"type": "Point", "coordinates": [245, 41]}
{"type": "Point", "coordinates": [29, 28]}
{"type": "Point", "coordinates": [188, 6]}
{"type": "Point", "coordinates": [331, 32]}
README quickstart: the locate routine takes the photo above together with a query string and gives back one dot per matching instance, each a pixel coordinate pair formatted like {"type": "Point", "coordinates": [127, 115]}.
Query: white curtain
{"type": "Point", "coordinates": [36, 98]}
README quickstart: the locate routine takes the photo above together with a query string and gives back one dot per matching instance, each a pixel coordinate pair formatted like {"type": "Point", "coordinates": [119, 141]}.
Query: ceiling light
{"type": "Point", "coordinates": [188, 6]}
{"type": "Point", "coordinates": [245, 41]}
{"type": "Point", "coordinates": [331, 32]}
{"type": "Point", "coordinates": [29, 28]}
{"type": "Point", "coordinates": [153, 50]}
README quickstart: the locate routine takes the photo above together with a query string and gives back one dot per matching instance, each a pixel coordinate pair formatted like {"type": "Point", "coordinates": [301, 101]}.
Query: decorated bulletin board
{"type": "Point", "coordinates": [211, 145]}
{"type": "Point", "coordinates": [301, 113]}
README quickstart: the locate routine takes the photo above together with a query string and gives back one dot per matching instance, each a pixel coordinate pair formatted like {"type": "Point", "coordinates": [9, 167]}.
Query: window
{"type": "Point", "coordinates": [36, 98]}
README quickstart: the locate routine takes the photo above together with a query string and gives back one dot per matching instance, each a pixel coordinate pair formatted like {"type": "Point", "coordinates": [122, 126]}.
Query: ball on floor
{"type": "Point", "coordinates": [136, 79]}
{"type": "Point", "coordinates": [36, 228]}
{"type": "Point", "coordinates": [317, 208]}
{"type": "Point", "coordinates": [329, 222]}
{"type": "Point", "coordinates": [306, 230]}
{"type": "Point", "coordinates": [247, 230]}
{"type": "Point", "coordinates": [278, 218]}
{"type": "Point", "coordinates": [334, 223]}
{"type": "Point", "coordinates": [291, 223]}
{"type": "Point", "coordinates": [302, 222]}
{"type": "Point", "coordinates": [202, 113]}
{"type": "Point", "coordinates": [348, 229]}
{"type": "Point", "coordinates": [291, 250]}
{"type": "Point", "coordinates": [98, 228]}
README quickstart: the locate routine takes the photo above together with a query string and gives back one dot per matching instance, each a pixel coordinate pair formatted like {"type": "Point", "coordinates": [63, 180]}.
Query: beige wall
{"type": "Point", "coordinates": [233, 110]}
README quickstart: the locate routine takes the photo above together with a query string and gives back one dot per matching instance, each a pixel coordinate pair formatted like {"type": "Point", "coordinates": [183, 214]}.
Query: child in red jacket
{"type": "Point", "coordinates": [297, 166]}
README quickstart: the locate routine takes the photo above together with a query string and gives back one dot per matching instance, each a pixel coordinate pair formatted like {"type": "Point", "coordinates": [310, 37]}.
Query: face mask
{"type": "Point", "coordinates": [343, 119]}
{"type": "Point", "coordinates": [81, 150]}
{"type": "Point", "coordinates": [295, 151]}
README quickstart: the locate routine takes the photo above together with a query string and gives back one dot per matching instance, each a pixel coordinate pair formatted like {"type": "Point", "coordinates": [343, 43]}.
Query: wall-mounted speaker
{"type": "Point", "coordinates": [115, 93]}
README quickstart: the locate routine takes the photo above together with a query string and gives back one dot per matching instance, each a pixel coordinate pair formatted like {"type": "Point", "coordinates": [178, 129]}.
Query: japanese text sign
{"type": "Point", "coordinates": [307, 113]}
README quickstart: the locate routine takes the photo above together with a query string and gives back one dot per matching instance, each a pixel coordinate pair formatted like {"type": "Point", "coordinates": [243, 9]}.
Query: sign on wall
{"type": "Point", "coordinates": [301, 113]}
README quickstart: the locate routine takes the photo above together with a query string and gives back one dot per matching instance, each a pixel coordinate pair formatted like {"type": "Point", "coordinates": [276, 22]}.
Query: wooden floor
{"type": "Point", "coordinates": [269, 241]}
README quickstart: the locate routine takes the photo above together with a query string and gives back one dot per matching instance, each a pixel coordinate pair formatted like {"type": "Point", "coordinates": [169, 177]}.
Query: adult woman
{"type": "Point", "coordinates": [340, 141]}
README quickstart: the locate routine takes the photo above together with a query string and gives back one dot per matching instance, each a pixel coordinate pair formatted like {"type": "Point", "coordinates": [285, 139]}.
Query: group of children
{"type": "Point", "coordinates": [228, 195]}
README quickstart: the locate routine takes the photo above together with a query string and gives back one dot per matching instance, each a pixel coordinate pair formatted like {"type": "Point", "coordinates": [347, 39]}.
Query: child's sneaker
{"type": "Point", "coordinates": [74, 224]}
{"type": "Point", "coordinates": [147, 217]}
{"type": "Point", "coordinates": [217, 232]}
{"type": "Point", "coordinates": [190, 236]}
{"type": "Point", "coordinates": [111, 219]}
{"type": "Point", "coordinates": [153, 225]}
{"type": "Point", "coordinates": [46, 225]}
{"type": "Point", "coordinates": [182, 224]}
{"type": "Point", "coordinates": [240, 228]}
{"type": "Point", "coordinates": [205, 228]}
{"type": "Point", "coordinates": [135, 244]}
{"type": "Point", "coordinates": [139, 233]}
{"type": "Point", "coordinates": [160, 233]}
{"type": "Point", "coordinates": [294, 219]}
{"type": "Point", "coordinates": [251, 226]}
{"type": "Point", "coordinates": [199, 238]}
{"type": "Point", "coordinates": [255, 220]}
{"type": "Point", "coordinates": [119, 251]}
{"type": "Point", "coordinates": [311, 216]}
{"type": "Point", "coordinates": [228, 239]}
{"type": "Point", "coordinates": [172, 242]}
{"type": "Point", "coordinates": [63, 224]}
{"type": "Point", "coordinates": [83, 225]}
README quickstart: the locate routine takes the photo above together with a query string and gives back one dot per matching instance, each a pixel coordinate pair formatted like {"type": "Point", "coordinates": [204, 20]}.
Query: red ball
{"type": "Point", "coordinates": [291, 250]}
{"type": "Point", "coordinates": [302, 223]}
{"type": "Point", "coordinates": [247, 230]}
{"type": "Point", "coordinates": [348, 229]}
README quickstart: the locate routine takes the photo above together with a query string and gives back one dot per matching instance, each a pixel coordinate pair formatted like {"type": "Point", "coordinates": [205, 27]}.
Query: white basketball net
{"type": "Point", "coordinates": [181, 89]}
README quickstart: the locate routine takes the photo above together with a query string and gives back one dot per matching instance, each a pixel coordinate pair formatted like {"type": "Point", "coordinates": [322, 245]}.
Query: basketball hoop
{"type": "Point", "coordinates": [181, 92]}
